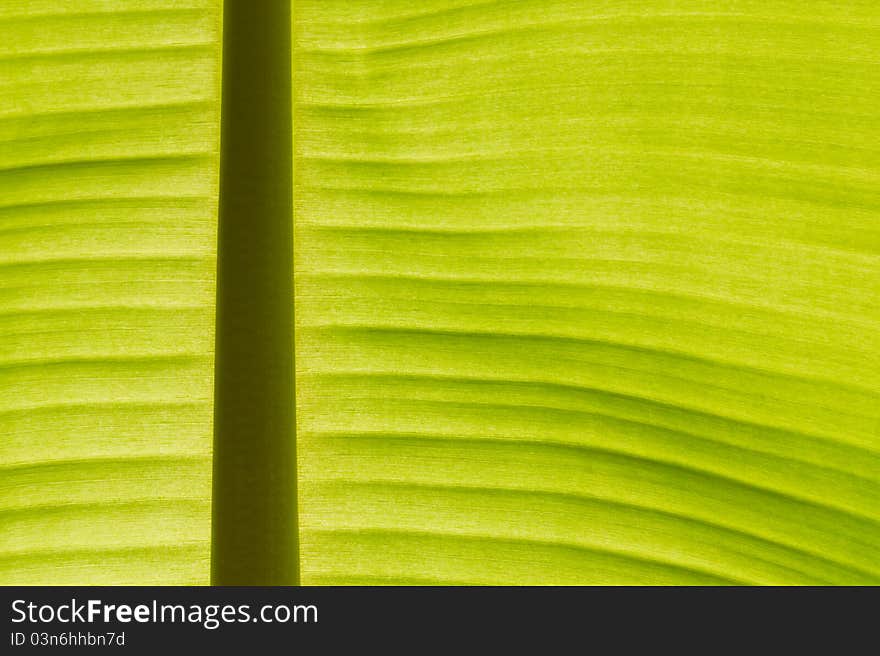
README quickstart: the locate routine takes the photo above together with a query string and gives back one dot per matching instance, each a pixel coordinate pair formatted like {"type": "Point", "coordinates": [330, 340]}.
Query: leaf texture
{"type": "Point", "coordinates": [109, 127]}
{"type": "Point", "coordinates": [586, 292]}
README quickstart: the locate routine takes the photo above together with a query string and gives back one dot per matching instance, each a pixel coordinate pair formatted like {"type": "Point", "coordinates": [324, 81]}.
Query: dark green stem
{"type": "Point", "coordinates": [255, 540]}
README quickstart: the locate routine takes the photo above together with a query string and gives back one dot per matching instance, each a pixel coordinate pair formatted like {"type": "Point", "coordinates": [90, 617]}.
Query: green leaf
{"type": "Point", "coordinates": [109, 122]}
{"type": "Point", "coordinates": [586, 292]}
